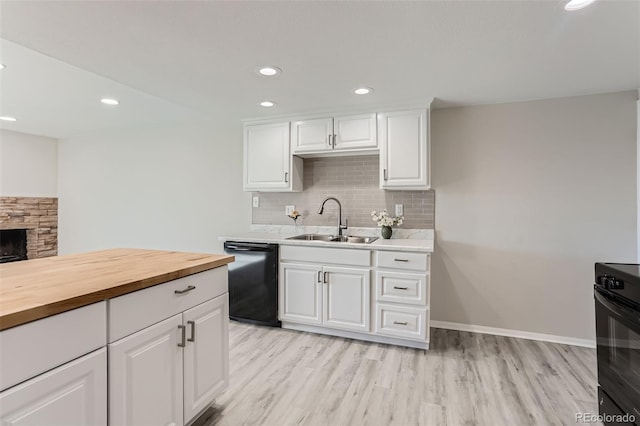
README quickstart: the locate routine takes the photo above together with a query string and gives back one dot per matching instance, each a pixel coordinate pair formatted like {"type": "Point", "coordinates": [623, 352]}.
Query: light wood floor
{"type": "Point", "coordinates": [281, 377]}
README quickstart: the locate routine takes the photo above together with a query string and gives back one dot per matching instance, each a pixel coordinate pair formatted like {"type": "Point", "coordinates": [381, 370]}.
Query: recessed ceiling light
{"type": "Point", "coordinates": [109, 101]}
{"type": "Point", "coordinates": [577, 4]}
{"type": "Point", "coordinates": [2, 66]}
{"type": "Point", "coordinates": [267, 104]}
{"type": "Point", "coordinates": [363, 90]}
{"type": "Point", "coordinates": [269, 70]}
{"type": "Point", "coordinates": [7, 118]}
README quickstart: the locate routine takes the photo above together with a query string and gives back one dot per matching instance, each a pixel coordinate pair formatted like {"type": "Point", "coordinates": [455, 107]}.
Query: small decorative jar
{"type": "Point", "coordinates": [386, 232]}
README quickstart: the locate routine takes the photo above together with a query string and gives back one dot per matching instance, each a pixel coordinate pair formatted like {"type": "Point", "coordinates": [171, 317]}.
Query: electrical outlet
{"type": "Point", "coordinates": [289, 209]}
{"type": "Point", "coordinates": [399, 210]}
{"type": "Point", "coordinates": [256, 201]}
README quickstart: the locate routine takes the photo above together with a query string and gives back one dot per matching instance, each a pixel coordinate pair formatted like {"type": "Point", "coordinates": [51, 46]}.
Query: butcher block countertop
{"type": "Point", "coordinates": [38, 288]}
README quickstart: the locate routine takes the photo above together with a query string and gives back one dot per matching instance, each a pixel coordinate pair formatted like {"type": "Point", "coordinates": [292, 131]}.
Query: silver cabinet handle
{"type": "Point", "coordinates": [319, 278]}
{"type": "Point", "coordinates": [192, 338]}
{"type": "Point", "coordinates": [286, 177]}
{"type": "Point", "coordinates": [329, 139]}
{"type": "Point", "coordinates": [401, 260]}
{"type": "Point", "coordinates": [325, 278]}
{"type": "Point", "coordinates": [384, 173]}
{"type": "Point", "coordinates": [400, 288]}
{"type": "Point", "coordinates": [400, 322]}
{"type": "Point", "coordinates": [183, 332]}
{"type": "Point", "coordinates": [334, 141]}
{"type": "Point", "coordinates": [186, 290]}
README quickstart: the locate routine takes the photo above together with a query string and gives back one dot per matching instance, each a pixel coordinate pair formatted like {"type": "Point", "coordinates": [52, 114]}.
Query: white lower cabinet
{"type": "Point", "coordinates": [74, 394]}
{"type": "Point", "coordinates": [336, 296]}
{"type": "Point", "coordinates": [346, 298]}
{"type": "Point", "coordinates": [300, 293]}
{"type": "Point", "coordinates": [169, 372]}
{"type": "Point", "coordinates": [402, 295]}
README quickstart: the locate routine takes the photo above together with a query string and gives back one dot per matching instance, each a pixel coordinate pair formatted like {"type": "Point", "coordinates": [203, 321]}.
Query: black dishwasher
{"type": "Point", "coordinates": [253, 283]}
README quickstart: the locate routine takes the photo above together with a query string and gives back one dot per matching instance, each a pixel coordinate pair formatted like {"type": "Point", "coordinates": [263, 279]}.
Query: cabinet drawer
{"type": "Point", "coordinates": [135, 311]}
{"type": "Point", "coordinates": [401, 321]}
{"type": "Point", "coordinates": [401, 287]}
{"type": "Point", "coordinates": [33, 348]}
{"type": "Point", "coordinates": [335, 256]}
{"type": "Point", "coordinates": [72, 394]}
{"type": "Point", "coordinates": [402, 260]}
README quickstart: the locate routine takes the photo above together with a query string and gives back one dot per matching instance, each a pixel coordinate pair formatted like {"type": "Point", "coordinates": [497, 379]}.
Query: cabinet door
{"type": "Point", "coordinates": [312, 135]}
{"type": "Point", "coordinates": [404, 155]}
{"type": "Point", "coordinates": [346, 298]}
{"type": "Point", "coordinates": [74, 394]}
{"type": "Point", "coordinates": [206, 354]}
{"type": "Point", "coordinates": [267, 157]}
{"type": "Point", "coordinates": [145, 376]}
{"type": "Point", "coordinates": [300, 293]}
{"type": "Point", "coordinates": [355, 132]}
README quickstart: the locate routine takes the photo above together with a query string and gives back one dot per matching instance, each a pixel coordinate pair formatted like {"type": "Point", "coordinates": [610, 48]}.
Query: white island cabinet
{"type": "Point", "coordinates": [145, 342]}
{"type": "Point", "coordinates": [168, 372]}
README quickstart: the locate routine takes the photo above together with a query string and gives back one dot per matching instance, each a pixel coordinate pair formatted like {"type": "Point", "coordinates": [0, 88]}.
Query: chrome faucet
{"type": "Point", "coordinates": [340, 225]}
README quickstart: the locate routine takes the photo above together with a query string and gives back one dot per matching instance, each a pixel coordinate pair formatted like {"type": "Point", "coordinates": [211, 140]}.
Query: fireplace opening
{"type": "Point", "coordinates": [13, 245]}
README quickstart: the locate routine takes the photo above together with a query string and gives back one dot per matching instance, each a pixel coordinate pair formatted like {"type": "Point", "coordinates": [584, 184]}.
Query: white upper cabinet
{"type": "Point", "coordinates": [312, 135]}
{"type": "Point", "coordinates": [268, 164]}
{"type": "Point", "coordinates": [339, 134]}
{"type": "Point", "coordinates": [404, 150]}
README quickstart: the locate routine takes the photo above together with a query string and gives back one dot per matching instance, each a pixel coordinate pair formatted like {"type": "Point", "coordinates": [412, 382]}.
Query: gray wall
{"type": "Point", "coordinates": [355, 182]}
{"type": "Point", "coordinates": [530, 195]}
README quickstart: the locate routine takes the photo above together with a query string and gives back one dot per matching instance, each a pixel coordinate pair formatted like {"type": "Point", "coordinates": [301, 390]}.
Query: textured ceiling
{"type": "Point", "coordinates": [202, 55]}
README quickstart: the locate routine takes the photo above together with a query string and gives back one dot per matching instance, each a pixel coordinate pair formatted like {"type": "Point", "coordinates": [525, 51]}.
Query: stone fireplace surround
{"type": "Point", "coordinates": [39, 216]}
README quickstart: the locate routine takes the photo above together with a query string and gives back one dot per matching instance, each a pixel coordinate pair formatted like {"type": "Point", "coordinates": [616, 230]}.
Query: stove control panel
{"type": "Point", "coordinates": [610, 283]}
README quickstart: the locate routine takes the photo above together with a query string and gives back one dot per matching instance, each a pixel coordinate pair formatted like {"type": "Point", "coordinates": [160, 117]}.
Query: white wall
{"type": "Point", "coordinates": [528, 197]}
{"type": "Point", "coordinates": [28, 165]}
{"type": "Point", "coordinates": [172, 187]}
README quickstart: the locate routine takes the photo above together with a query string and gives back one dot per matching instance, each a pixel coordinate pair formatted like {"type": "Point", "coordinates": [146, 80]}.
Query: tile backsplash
{"type": "Point", "coordinates": [355, 182]}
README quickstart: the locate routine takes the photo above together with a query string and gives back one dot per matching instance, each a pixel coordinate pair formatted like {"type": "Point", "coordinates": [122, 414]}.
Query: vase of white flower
{"type": "Point", "coordinates": [386, 222]}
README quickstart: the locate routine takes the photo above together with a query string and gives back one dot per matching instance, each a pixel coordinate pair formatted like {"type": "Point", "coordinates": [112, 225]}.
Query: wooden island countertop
{"type": "Point", "coordinates": [38, 288]}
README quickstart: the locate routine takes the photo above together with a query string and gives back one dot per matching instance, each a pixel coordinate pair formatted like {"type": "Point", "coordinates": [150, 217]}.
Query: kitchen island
{"type": "Point", "coordinates": [162, 318]}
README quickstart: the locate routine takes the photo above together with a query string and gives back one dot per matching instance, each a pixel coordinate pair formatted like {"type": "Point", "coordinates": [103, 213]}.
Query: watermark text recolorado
{"type": "Point", "coordinates": [604, 418]}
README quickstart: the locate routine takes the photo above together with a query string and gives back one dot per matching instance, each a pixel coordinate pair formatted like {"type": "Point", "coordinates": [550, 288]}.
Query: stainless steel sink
{"type": "Point", "coordinates": [313, 237]}
{"type": "Point", "coordinates": [334, 238]}
{"type": "Point", "coordinates": [359, 240]}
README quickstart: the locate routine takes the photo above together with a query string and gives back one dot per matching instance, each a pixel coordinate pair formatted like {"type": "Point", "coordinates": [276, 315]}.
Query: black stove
{"type": "Point", "coordinates": [617, 300]}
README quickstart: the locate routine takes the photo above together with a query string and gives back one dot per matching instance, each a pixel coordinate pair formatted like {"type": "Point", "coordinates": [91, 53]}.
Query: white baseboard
{"type": "Point", "coordinates": [513, 333]}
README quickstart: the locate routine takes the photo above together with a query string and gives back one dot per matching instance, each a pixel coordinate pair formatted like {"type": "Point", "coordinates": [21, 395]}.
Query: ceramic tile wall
{"type": "Point", "coordinates": [355, 182]}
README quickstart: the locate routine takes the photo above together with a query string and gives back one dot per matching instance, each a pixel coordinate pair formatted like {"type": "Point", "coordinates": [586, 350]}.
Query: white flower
{"type": "Point", "coordinates": [383, 218]}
